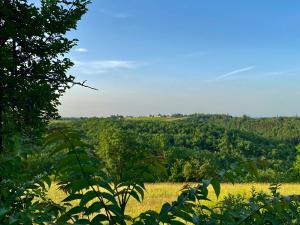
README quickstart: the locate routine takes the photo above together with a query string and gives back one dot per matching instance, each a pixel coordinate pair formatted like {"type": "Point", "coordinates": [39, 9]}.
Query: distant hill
{"type": "Point", "coordinates": [219, 140]}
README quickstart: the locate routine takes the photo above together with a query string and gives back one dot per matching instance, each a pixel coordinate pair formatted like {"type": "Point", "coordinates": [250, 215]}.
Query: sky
{"type": "Point", "coordinates": [194, 56]}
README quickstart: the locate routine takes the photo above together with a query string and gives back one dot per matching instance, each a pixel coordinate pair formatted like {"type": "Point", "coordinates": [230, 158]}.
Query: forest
{"type": "Point", "coordinates": [191, 147]}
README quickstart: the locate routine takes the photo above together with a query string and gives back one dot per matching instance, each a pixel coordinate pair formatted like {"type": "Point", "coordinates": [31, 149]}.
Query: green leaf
{"type": "Point", "coordinates": [94, 208]}
{"type": "Point", "coordinates": [184, 215]}
{"type": "Point", "coordinates": [99, 219]}
{"type": "Point", "coordinates": [176, 222]}
{"type": "Point", "coordinates": [135, 196]}
{"type": "Point", "coordinates": [115, 209]}
{"type": "Point", "coordinates": [108, 196]}
{"type": "Point", "coordinates": [140, 190]}
{"type": "Point", "coordinates": [164, 210]}
{"type": "Point", "coordinates": [104, 185]}
{"type": "Point", "coordinates": [76, 210]}
{"type": "Point", "coordinates": [87, 197]}
{"type": "Point", "coordinates": [59, 148]}
{"type": "Point", "coordinates": [68, 215]}
{"type": "Point", "coordinates": [216, 186]}
{"type": "Point", "coordinates": [48, 181]}
{"type": "Point", "coordinates": [82, 221]}
{"type": "Point", "coordinates": [72, 197]}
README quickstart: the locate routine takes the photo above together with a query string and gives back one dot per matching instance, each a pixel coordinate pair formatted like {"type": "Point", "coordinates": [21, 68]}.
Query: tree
{"type": "Point", "coordinates": [33, 66]}
{"type": "Point", "coordinates": [296, 165]}
{"type": "Point", "coordinates": [126, 159]}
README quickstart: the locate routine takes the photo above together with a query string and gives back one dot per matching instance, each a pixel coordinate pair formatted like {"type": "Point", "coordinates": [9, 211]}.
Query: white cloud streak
{"type": "Point", "coordinates": [234, 72]}
{"type": "Point", "coordinates": [104, 66]}
{"type": "Point", "coordinates": [81, 50]}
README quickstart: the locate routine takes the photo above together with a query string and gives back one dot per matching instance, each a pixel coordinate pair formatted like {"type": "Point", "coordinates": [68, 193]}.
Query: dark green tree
{"type": "Point", "coordinates": [126, 159]}
{"type": "Point", "coordinates": [33, 66]}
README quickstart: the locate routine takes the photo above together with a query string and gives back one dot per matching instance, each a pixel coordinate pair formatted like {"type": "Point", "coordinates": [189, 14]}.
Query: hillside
{"type": "Point", "coordinates": [193, 146]}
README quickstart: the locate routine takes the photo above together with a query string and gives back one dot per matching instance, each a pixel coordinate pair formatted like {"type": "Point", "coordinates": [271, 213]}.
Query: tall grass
{"type": "Point", "coordinates": [159, 193]}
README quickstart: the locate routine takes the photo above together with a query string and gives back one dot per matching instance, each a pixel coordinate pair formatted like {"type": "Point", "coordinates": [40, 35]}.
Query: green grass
{"type": "Point", "coordinates": [159, 193]}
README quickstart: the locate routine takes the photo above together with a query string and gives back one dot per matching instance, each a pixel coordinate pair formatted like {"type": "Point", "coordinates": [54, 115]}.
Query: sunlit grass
{"type": "Point", "coordinates": [159, 193]}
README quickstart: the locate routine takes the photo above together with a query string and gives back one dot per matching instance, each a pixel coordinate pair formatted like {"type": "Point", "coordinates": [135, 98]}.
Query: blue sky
{"type": "Point", "coordinates": [172, 56]}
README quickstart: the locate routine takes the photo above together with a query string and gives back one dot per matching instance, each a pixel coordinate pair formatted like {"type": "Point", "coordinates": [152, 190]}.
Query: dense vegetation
{"type": "Point", "coordinates": [100, 163]}
{"type": "Point", "coordinates": [189, 148]}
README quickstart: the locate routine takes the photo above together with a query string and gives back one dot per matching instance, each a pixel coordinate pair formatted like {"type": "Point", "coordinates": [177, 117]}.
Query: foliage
{"type": "Point", "coordinates": [100, 199]}
{"type": "Point", "coordinates": [205, 143]}
{"type": "Point", "coordinates": [33, 65]}
{"type": "Point", "coordinates": [127, 159]}
{"type": "Point", "coordinates": [93, 198]}
{"type": "Point", "coordinates": [296, 166]}
{"type": "Point", "coordinates": [27, 203]}
{"type": "Point", "coordinates": [261, 208]}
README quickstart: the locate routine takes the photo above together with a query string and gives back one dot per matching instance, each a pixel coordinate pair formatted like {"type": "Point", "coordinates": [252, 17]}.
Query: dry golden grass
{"type": "Point", "coordinates": [159, 193]}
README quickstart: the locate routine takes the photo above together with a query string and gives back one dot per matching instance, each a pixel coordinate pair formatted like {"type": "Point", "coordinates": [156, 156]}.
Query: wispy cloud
{"type": "Point", "coordinates": [114, 14]}
{"type": "Point", "coordinates": [279, 73]}
{"type": "Point", "coordinates": [233, 73]}
{"type": "Point", "coordinates": [104, 66]}
{"type": "Point", "coordinates": [81, 50]}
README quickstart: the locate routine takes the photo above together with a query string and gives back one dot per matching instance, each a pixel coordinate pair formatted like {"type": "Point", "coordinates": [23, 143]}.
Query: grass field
{"type": "Point", "coordinates": [159, 193]}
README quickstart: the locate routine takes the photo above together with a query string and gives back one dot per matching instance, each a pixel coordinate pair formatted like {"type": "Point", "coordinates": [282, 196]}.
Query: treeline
{"type": "Point", "coordinates": [188, 148]}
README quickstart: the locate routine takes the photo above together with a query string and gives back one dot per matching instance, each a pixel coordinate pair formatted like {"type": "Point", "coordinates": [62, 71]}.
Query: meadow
{"type": "Point", "coordinates": [158, 193]}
